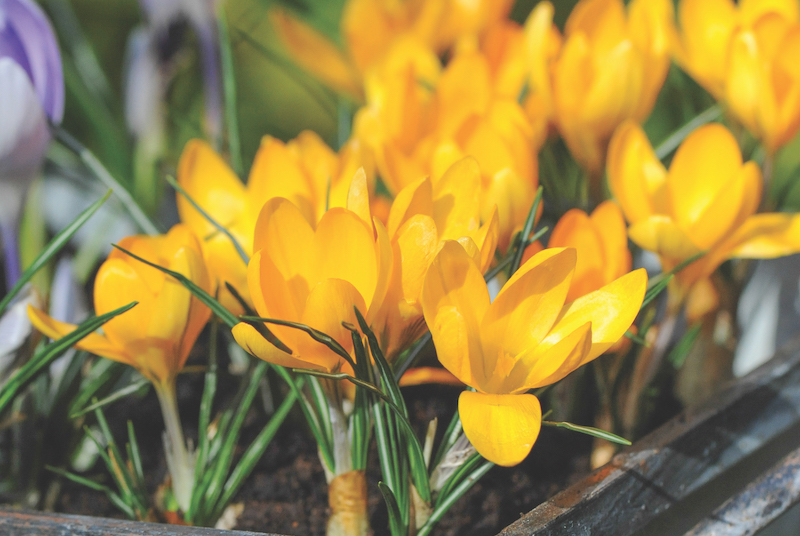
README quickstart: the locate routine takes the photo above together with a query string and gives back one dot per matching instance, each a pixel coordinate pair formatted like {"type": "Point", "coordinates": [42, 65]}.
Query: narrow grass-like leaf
{"type": "Point", "coordinates": [253, 454]}
{"type": "Point", "coordinates": [636, 338]}
{"type": "Point", "coordinates": [526, 232]}
{"type": "Point", "coordinates": [402, 364]}
{"type": "Point", "coordinates": [396, 526]}
{"type": "Point", "coordinates": [449, 438]}
{"type": "Point", "coordinates": [223, 314]}
{"type": "Point", "coordinates": [239, 249]}
{"type": "Point", "coordinates": [50, 353]}
{"type": "Point", "coordinates": [321, 402]}
{"type": "Point", "coordinates": [315, 334]}
{"type": "Point", "coordinates": [229, 90]}
{"type": "Point", "coordinates": [259, 326]}
{"type": "Point", "coordinates": [458, 476]}
{"type": "Point", "coordinates": [116, 499]}
{"type": "Point", "coordinates": [681, 350]}
{"type": "Point", "coordinates": [224, 459]}
{"type": "Point", "coordinates": [209, 390]}
{"type": "Point", "coordinates": [142, 384]}
{"type": "Point", "coordinates": [104, 373]}
{"type": "Point", "coordinates": [53, 247]}
{"type": "Point", "coordinates": [139, 216]}
{"type": "Point", "coordinates": [386, 447]}
{"type": "Point", "coordinates": [655, 290]}
{"type": "Point", "coordinates": [387, 378]}
{"type": "Point", "coordinates": [117, 465]}
{"type": "Point", "coordinates": [359, 418]}
{"type": "Point", "coordinates": [452, 497]}
{"type": "Point", "coordinates": [133, 454]}
{"type": "Point", "coordinates": [588, 430]}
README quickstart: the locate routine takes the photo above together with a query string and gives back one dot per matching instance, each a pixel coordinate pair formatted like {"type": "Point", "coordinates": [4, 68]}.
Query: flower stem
{"type": "Point", "coordinates": [180, 461]}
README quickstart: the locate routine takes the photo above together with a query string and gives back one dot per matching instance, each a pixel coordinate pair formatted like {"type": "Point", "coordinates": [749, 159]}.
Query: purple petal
{"type": "Point", "coordinates": [27, 37]}
{"type": "Point", "coordinates": [23, 137]}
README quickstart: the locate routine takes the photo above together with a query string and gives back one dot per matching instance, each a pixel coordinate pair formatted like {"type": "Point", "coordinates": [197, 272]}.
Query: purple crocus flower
{"type": "Point", "coordinates": [31, 92]}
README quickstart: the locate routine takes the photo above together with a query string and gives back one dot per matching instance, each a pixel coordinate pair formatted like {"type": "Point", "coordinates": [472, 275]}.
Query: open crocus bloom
{"type": "Point", "coordinates": [746, 55]}
{"type": "Point", "coordinates": [422, 217]}
{"type": "Point", "coordinates": [154, 337]}
{"type": "Point", "coordinates": [610, 68]}
{"type": "Point", "coordinates": [305, 171]}
{"type": "Point", "coordinates": [315, 275]}
{"type": "Point", "coordinates": [527, 338]}
{"type": "Point", "coordinates": [705, 203]}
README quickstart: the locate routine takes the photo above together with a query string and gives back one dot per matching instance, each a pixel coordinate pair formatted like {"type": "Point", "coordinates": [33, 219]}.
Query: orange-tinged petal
{"type": "Point", "coordinates": [251, 340]}
{"type": "Point", "coordinates": [608, 220]}
{"type": "Point", "coordinates": [635, 175]}
{"type": "Point", "coordinates": [538, 28]}
{"type": "Point", "coordinates": [415, 247]}
{"type": "Point", "coordinates": [502, 428]}
{"type": "Point", "coordinates": [540, 366]}
{"type": "Point", "coordinates": [528, 304]}
{"type": "Point", "coordinates": [424, 375]}
{"type": "Point", "coordinates": [752, 10]}
{"type": "Point", "coordinates": [611, 311]}
{"type": "Point", "coordinates": [454, 300]}
{"type": "Point", "coordinates": [661, 235]}
{"type": "Point", "coordinates": [118, 284]}
{"type": "Point", "coordinates": [765, 236]}
{"type": "Point", "coordinates": [93, 342]}
{"type": "Point", "coordinates": [574, 229]}
{"type": "Point", "coordinates": [316, 53]}
{"type": "Point", "coordinates": [511, 197]}
{"type": "Point", "coordinates": [211, 184]}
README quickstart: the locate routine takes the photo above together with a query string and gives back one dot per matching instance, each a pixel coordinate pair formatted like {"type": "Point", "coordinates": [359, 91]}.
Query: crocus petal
{"type": "Point", "coordinates": [544, 365]}
{"type": "Point", "coordinates": [456, 205]}
{"type": "Point", "coordinates": [277, 173]}
{"type": "Point", "coordinates": [211, 184]}
{"type": "Point", "coordinates": [251, 340]}
{"type": "Point", "coordinates": [284, 233]}
{"type": "Point", "coordinates": [635, 175]}
{"type": "Point", "coordinates": [423, 375]}
{"type": "Point", "coordinates": [608, 220]}
{"type": "Point", "coordinates": [416, 198]}
{"type": "Point", "coordinates": [707, 26]}
{"type": "Point", "coordinates": [117, 283]}
{"type": "Point", "coordinates": [752, 10]}
{"type": "Point", "coordinates": [454, 300]}
{"type": "Point", "coordinates": [502, 428]}
{"type": "Point", "coordinates": [766, 236]}
{"type": "Point", "coordinates": [576, 230]}
{"type": "Point", "coordinates": [93, 342]}
{"type": "Point", "coordinates": [661, 235]}
{"type": "Point", "coordinates": [358, 197]}
{"type": "Point", "coordinates": [316, 53]}
{"type": "Point", "coordinates": [529, 303]}
{"type": "Point", "coordinates": [611, 311]}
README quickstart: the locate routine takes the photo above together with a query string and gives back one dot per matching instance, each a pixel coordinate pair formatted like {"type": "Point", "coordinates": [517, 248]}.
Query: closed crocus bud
{"type": "Point", "coordinates": [31, 92]}
{"type": "Point", "coordinates": [610, 68]}
{"type": "Point", "coordinates": [530, 336]}
{"type": "Point", "coordinates": [706, 203]}
{"type": "Point", "coordinates": [746, 56]}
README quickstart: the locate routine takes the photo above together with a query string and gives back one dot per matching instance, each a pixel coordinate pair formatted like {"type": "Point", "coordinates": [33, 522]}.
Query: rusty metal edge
{"type": "Point", "coordinates": [758, 504]}
{"type": "Point", "coordinates": [638, 484]}
{"type": "Point", "coordinates": [24, 523]}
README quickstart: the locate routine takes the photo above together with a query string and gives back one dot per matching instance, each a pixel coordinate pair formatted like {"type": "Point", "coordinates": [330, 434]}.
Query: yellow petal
{"type": "Point", "coordinates": [502, 428]}
{"type": "Point", "coordinates": [117, 284]}
{"type": "Point", "coordinates": [93, 342]}
{"type": "Point", "coordinates": [251, 340]}
{"type": "Point", "coordinates": [661, 235]}
{"type": "Point", "coordinates": [543, 365]}
{"type": "Point", "coordinates": [611, 311]}
{"type": "Point", "coordinates": [277, 173]}
{"type": "Point", "coordinates": [423, 375]}
{"type": "Point", "coordinates": [635, 175]}
{"type": "Point", "coordinates": [416, 198]}
{"type": "Point", "coordinates": [529, 303]}
{"type": "Point", "coordinates": [575, 230]}
{"type": "Point", "coordinates": [358, 196]}
{"type": "Point", "coordinates": [706, 27]}
{"type": "Point", "coordinates": [316, 53]}
{"type": "Point", "coordinates": [211, 184]}
{"type": "Point", "coordinates": [766, 236]}
{"type": "Point", "coordinates": [454, 300]}
{"type": "Point", "coordinates": [751, 10]}
{"type": "Point", "coordinates": [608, 220]}
{"type": "Point", "coordinates": [286, 236]}
{"type": "Point", "coordinates": [415, 247]}
{"type": "Point", "coordinates": [456, 205]}
{"type": "Point", "coordinates": [745, 91]}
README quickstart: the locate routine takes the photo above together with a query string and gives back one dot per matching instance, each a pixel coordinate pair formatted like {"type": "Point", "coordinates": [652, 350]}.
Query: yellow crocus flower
{"type": "Point", "coordinates": [304, 170]}
{"type": "Point", "coordinates": [610, 68]}
{"type": "Point", "coordinates": [746, 56]}
{"type": "Point", "coordinates": [315, 275]}
{"type": "Point", "coordinates": [528, 337]}
{"type": "Point", "coordinates": [370, 27]}
{"type": "Point", "coordinates": [706, 202]}
{"type": "Point", "coordinates": [425, 214]}
{"type": "Point", "coordinates": [154, 337]}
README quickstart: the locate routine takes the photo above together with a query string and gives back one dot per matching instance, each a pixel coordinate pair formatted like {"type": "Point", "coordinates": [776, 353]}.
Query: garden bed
{"type": "Point", "coordinates": [677, 477]}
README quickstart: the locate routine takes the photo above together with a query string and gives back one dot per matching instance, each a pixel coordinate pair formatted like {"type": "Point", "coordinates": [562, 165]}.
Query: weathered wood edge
{"type": "Point", "coordinates": [758, 504]}
{"type": "Point", "coordinates": [22, 523]}
{"type": "Point", "coordinates": [686, 453]}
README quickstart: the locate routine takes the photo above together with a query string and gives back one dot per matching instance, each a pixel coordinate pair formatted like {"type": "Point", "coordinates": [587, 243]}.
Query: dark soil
{"type": "Point", "coordinates": [287, 494]}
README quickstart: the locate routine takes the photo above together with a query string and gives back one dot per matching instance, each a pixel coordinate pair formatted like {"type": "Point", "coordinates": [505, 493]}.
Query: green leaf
{"type": "Point", "coordinates": [104, 373]}
{"type": "Point", "coordinates": [588, 430]}
{"type": "Point", "coordinates": [458, 476]}
{"type": "Point", "coordinates": [133, 454]}
{"type": "Point", "coordinates": [229, 90]}
{"type": "Point", "coordinates": [239, 249]}
{"type": "Point", "coordinates": [450, 436]}
{"type": "Point", "coordinates": [526, 232]}
{"type": "Point", "coordinates": [666, 147]}
{"type": "Point", "coordinates": [50, 353]}
{"type": "Point", "coordinates": [53, 247]}
{"type": "Point", "coordinates": [223, 314]}
{"type": "Point", "coordinates": [404, 362]}
{"type": "Point", "coordinates": [136, 387]}
{"type": "Point", "coordinates": [681, 350]}
{"type": "Point", "coordinates": [396, 525]}
{"type": "Point", "coordinates": [139, 216]}
{"type": "Point", "coordinates": [116, 499]}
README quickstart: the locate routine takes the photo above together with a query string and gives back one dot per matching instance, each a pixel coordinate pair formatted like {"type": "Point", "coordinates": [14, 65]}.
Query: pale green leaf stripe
{"type": "Point", "coordinates": [588, 430]}
{"type": "Point", "coordinates": [113, 397]}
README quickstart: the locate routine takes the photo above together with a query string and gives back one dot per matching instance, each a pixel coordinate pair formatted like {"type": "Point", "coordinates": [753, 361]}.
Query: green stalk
{"type": "Point", "coordinates": [179, 460]}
